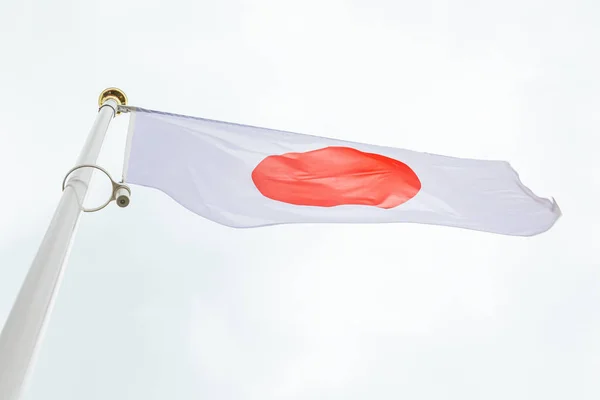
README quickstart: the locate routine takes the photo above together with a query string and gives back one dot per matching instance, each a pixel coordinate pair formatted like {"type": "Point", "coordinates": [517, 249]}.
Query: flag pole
{"type": "Point", "coordinates": [23, 330]}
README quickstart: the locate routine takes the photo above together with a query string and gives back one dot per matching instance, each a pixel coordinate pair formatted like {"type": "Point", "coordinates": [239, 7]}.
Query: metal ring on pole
{"type": "Point", "coordinates": [120, 192]}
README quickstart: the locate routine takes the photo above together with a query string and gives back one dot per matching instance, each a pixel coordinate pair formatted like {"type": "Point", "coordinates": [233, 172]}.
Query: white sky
{"type": "Point", "coordinates": [158, 303]}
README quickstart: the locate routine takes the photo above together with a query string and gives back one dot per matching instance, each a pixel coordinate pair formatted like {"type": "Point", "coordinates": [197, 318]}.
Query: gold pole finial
{"type": "Point", "coordinates": [113, 93]}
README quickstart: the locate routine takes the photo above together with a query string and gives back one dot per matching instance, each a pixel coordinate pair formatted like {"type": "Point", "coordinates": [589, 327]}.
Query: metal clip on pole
{"type": "Point", "coordinates": [120, 192]}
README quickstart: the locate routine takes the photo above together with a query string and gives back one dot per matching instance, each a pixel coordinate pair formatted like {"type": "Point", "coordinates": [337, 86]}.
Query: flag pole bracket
{"type": "Point", "coordinates": [121, 193]}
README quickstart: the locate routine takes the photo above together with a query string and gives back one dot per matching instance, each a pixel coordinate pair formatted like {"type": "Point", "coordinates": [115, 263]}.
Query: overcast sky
{"type": "Point", "coordinates": [158, 303]}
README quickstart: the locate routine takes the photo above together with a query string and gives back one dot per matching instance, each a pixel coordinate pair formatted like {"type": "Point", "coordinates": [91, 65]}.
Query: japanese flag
{"type": "Point", "coordinates": [243, 176]}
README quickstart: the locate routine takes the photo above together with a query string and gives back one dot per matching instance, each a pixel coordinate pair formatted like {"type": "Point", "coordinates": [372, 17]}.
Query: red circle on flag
{"type": "Point", "coordinates": [334, 176]}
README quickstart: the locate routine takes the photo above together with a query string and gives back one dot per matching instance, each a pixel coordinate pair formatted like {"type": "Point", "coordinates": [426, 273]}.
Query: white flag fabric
{"type": "Point", "coordinates": [243, 176]}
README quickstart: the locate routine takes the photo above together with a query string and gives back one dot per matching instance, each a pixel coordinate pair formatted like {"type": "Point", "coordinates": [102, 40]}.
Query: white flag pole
{"type": "Point", "coordinates": [24, 327]}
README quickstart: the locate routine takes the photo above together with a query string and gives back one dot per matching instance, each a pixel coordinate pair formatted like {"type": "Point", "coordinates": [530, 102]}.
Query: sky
{"type": "Point", "coordinates": [159, 303]}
